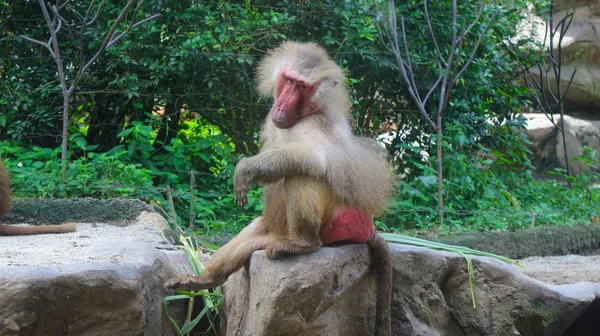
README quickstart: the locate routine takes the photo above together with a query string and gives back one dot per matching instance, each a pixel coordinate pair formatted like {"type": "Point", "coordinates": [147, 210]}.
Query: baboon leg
{"type": "Point", "coordinates": [228, 259]}
{"type": "Point", "coordinates": [382, 265]}
{"type": "Point", "coordinates": [306, 210]}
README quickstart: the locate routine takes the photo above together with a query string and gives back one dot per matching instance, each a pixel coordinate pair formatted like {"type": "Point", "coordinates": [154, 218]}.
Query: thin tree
{"type": "Point", "coordinates": [55, 22]}
{"type": "Point", "coordinates": [450, 68]}
{"type": "Point", "coordinates": [549, 98]}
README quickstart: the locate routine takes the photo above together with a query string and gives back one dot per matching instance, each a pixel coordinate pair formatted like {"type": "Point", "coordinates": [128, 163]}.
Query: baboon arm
{"type": "Point", "coordinates": [274, 164]}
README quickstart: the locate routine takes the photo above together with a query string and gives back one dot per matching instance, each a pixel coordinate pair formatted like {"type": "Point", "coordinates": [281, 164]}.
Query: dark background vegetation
{"type": "Point", "coordinates": [172, 107]}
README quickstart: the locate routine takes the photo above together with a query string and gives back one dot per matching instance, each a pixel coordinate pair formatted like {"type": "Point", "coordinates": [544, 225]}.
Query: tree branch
{"type": "Point", "coordinates": [475, 21]}
{"type": "Point", "coordinates": [395, 48]}
{"type": "Point", "coordinates": [449, 63]}
{"type": "Point", "coordinates": [43, 44]}
{"type": "Point", "coordinates": [97, 15]}
{"type": "Point", "coordinates": [410, 71]}
{"type": "Point", "coordinates": [476, 46]}
{"type": "Point", "coordinates": [113, 41]}
{"type": "Point", "coordinates": [69, 29]}
{"type": "Point", "coordinates": [435, 85]}
{"type": "Point", "coordinates": [429, 26]}
{"type": "Point", "coordinates": [133, 17]}
{"type": "Point", "coordinates": [108, 41]}
{"type": "Point", "coordinates": [548, 84]}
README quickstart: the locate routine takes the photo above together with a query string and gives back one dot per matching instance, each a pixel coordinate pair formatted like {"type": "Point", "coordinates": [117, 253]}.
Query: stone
{"type": "Point", "coordinates": [103, 279]}
{"type": "Point", "coordinates": [331, 292]}
{"type": "Point", "coordinates": [580, 51]}
{"type": "Point", "coordinates": [547, 143]}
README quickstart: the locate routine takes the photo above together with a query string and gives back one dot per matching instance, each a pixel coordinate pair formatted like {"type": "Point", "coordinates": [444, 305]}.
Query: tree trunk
{"type": "Point", "coordinates": [65, 135]}
{"type": "Point", "coordinates": [440, 175]}
{"type": "Point", "coordinates": [563, 131]}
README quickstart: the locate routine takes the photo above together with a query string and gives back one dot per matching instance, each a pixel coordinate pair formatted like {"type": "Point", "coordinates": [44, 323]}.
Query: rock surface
{"type": "Point", "coordinates": [547, 143]}
{"type": "Point", "coordinates": [102, 279]}
{"type": "Point", "coordinates": [330, 292]}
{"type": "Point", "coordinates": [580, 52]}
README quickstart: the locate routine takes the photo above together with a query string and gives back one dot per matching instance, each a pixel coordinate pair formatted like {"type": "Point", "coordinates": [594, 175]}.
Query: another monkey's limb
{"type": "Point", "coordinates": [12, 230]}
{"type": "Point", "coordinates": [308, 204]}
{"type": "Point", "coordinates": [228, 259]}
{"type": "Point", "coordinates": [382, 264]}
{"type": "Point", "coordinates": [274, 164]}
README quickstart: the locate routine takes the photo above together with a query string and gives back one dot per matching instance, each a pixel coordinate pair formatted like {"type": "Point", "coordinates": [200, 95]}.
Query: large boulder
{"type": "Point", "coordinates": [580, 52]}
{"type": "Point", "coordinates": [331, 292]}
{"type": "Point", "coordinates": [548, 144]}
{"type": "Point", "coordinates": [104, 279]}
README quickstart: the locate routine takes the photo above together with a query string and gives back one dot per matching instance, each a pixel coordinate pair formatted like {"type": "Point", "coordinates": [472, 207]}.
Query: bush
{"type": "Point", "coordinates": [133, 169]}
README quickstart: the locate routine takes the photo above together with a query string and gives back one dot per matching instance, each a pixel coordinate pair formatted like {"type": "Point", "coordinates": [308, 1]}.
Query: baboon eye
{"type": "Point", "coordinates": [291, 81]}
{"type": "Point", "coordinates": [302, 87]}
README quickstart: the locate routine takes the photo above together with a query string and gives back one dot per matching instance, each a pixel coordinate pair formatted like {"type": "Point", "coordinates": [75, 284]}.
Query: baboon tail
{"type": "Point", "coordinates": [382, 264]}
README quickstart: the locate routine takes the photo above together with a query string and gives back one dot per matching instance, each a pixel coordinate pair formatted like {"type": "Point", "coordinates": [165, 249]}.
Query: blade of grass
{"type": "Point", "coordinates": [471, 274]}
{"type": "Point", "coordinates": [188, 326]}
{"type": "Point", "coordinates": [463, 251]}
{"type": "Point", "coordinates": [171, 320]}
{"type": "Point", "coordinates": [408, 240]}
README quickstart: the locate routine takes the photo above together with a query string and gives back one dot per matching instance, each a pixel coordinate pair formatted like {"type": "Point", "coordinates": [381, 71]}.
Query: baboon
{"type": "Point", "coordinates": [322, 184]}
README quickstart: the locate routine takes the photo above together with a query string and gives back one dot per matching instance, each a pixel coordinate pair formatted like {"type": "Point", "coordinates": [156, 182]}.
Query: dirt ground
{"type": "Point", "coordinates": [86, 245]}
{"type": "Point", "coordinates": [560, 270]}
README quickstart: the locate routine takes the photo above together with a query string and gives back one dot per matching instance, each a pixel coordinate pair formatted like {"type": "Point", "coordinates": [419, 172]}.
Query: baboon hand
{"type": "Point", "coordinates": [241, 183]}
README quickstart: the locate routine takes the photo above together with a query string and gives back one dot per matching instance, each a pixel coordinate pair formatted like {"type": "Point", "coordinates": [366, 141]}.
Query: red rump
{"type": "Point", "coordinates": [350, 225]}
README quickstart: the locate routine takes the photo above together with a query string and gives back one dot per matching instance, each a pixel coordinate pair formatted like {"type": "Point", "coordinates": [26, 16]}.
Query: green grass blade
{"type": "Point", "coordinates": [408, 240]}
{"type": "Point", "coordinates": [463, 251]}
{"type": "Point", "coordinates": [207, 244]}
{"type": "Point", "coordinates": [171, 320]}
{"type": "Point", "coordinates": [187, 327]}
{"type": "Point", "coordinates": [471, 275]}
{"type": "Point", "coordinates": [176, 297]}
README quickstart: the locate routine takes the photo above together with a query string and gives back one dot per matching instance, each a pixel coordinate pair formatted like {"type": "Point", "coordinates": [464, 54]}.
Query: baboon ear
{"type": "Point", "coordinates": [335, 83]}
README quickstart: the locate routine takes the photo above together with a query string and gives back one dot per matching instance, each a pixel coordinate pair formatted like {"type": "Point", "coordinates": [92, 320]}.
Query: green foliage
{"type": "Point", "coordinates": [490, 195]}
{"type": "Point", "coordinates": [134, 169]}
{"type": "Point", "coordinates": [484, 99]}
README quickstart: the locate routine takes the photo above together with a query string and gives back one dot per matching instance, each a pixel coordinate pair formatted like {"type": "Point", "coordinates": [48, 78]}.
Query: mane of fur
{"type": "Point", "coordinates": [310, 61]}
{"type": "Point", "coordinates": [357, 168]}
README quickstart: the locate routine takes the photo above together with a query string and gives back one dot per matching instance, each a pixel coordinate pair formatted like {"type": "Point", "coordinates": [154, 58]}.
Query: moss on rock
{"type": "Point", "coordinates": [543, 241]}
{"type": "Point", "coordinates": [83, 210]}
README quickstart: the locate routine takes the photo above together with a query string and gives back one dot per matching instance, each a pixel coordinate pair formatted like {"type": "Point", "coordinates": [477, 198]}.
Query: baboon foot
{"type": "Point", "coordinates": [282, 247]}
{"type": "Point", "coordinates": [195, 282]}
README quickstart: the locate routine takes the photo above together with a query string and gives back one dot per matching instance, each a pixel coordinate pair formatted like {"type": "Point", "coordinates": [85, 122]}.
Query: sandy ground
{"type": "Point", "coordinates": [562, 270]}
{"type": "Point", "coordinates": [82, 246]}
